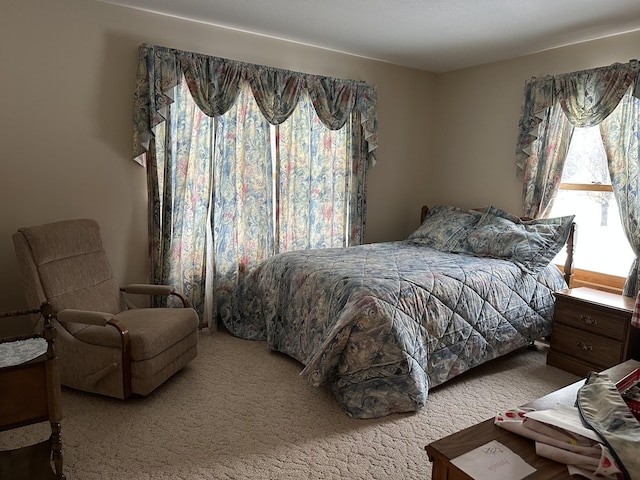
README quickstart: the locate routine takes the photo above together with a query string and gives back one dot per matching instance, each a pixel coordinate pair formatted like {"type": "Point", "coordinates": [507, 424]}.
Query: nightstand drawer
{"type": "Point", "coordinates": [590, 348]}
{"type": "Point", "coordinates": [591, 319]}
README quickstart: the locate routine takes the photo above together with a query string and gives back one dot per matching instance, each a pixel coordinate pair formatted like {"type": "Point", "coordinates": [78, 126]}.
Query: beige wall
{"type": "Point", "coordinates": [68, 70]}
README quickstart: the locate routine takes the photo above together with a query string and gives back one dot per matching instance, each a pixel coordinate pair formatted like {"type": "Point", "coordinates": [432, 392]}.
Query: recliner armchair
{"type": "Point", "coordinates": [105, 345]}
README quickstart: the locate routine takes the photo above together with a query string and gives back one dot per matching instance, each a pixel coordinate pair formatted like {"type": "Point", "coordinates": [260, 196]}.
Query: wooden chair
{"type": "Point", "coordinates": [31, 394]}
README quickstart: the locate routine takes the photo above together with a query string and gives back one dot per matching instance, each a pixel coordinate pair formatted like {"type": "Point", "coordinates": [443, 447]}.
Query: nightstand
{"type": "Point", "coordinates": [592, 331]}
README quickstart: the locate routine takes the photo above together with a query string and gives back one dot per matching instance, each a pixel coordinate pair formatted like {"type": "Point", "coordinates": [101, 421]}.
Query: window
{"type": "Point", "coordinates": [245, 161]}
{"type": "Point", "coordinates": [586, 191]}
{"type": "Point", "coordinates": [268, 188]}
{"type": "Point", "coordinates": [609, 98]}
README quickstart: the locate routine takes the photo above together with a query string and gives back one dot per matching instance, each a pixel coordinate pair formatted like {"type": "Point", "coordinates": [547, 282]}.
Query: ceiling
{"type": "Point", "coordinates": [432, 35]}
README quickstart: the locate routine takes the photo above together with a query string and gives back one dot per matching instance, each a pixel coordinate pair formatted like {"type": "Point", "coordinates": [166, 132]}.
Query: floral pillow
{"type": "Point", "coordinates": [446, 228]}
{"type": "Point", "coordinates": [531, 245]}
{"type": "Point", "coordinates": [491, 210]}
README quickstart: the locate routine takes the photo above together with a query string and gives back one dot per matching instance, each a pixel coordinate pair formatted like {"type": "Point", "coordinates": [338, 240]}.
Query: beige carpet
{"type": "Point", "coordinates": [240, 411]}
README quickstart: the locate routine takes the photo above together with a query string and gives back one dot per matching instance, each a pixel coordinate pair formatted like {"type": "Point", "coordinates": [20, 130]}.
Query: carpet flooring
{"type": "Point", "coordinates": [240, 411]}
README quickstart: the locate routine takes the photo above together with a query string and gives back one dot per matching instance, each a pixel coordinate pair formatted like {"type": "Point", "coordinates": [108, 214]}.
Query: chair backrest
{"type": "Point", "coordinates": [64, 263]}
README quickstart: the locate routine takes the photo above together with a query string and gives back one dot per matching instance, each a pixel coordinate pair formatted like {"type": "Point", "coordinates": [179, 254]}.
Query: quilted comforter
{"type": "Point", "coordinates": [379, 324]}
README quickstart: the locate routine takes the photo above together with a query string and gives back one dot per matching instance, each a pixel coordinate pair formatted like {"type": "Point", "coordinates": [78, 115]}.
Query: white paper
{"type": "Point", "coordinates": [493, 461]}
{"type": "Point", "coordinates": [565, 417]}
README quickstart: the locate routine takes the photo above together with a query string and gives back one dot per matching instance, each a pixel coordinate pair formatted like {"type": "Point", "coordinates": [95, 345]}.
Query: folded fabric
{"type": "Point", "coordinates": [565, 417]}
{"type": "Point", "coordinates": [604, 471]}
{"type": "Point", "coordinates": [561, 455]}
{"type": "Point", "coordinates": [560, 434]}
{"type": "Point", "coordinates": [604, 410]}
{"type": "Point", "coordinates": [582, 455]}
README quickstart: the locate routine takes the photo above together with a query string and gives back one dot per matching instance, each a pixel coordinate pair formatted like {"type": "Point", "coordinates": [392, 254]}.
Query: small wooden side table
{"type": "Point", "coordinates": [31, 394]}
{"type": "Point", "coordinates": [592, 331]}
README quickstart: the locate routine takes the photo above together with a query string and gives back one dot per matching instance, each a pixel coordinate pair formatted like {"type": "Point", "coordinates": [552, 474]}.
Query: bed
{"type": "Point", "coordinates": [379, 324]}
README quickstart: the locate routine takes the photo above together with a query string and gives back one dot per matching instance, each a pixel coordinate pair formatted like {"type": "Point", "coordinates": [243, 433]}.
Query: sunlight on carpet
{"type": "Point", "coordinates": [240, 411]}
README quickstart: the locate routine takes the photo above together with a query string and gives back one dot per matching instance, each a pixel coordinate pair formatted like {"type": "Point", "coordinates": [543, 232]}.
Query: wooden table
{"type": "Point", "coordinates": [442, 451]}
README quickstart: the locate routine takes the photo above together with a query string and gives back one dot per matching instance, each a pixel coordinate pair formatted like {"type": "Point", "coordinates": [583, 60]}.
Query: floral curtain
{"type": "Point", "coordinates": [241, 100]}
{"type": "Point", "coordinates": [303, 182]}
{"type": "Point", "coordinates": [243, 198]}
{"type": "Point", "coordinates": [620, 133]}
{"type": "Point", "coordinates": [585, 98]}
{"type": "Point", "coordinates": [216, 80]}
{"type": "Point", "coordinates": [179, 190]}
{"type": "Point", "coordinates": [543, 170]}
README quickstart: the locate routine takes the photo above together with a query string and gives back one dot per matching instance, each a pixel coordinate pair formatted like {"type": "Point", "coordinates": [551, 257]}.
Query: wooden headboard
{"type": "Point", "coordinates": [569, 246]}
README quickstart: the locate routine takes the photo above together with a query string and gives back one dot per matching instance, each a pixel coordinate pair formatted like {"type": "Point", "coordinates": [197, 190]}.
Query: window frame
{"type": "Point", "coordinates": [589, 278]}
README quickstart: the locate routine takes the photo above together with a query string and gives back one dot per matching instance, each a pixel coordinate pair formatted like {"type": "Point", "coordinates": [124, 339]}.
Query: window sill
{"type": "Point", "coordinates": [599, 281]}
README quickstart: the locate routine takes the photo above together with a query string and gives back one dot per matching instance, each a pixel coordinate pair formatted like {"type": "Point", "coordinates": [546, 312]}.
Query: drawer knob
{"type": "Point", "coordinates": [588, 320]}
{"type": "Point", "coordinates": [584, 346]}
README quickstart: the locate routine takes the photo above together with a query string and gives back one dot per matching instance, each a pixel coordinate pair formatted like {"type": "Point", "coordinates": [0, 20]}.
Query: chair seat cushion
{"type": "Point", "coordinates": [151, 330]}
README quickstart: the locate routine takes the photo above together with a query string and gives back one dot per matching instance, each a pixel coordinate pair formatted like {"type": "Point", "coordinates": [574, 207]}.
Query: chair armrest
{"type": "Point", "coordinates": [149, 289]}
{"type": "Point", "coordinates": [103, 319]}
{"type": "Point", "coordinates": [84, 316]}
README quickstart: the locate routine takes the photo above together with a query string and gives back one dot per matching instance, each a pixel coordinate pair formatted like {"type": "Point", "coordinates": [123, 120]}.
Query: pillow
{"type": "Point", "coordinates": [446, 228]}
{"type": "Point", "coordinates": [491, 210]}
{"type": "Point", "coordinates": [530, 244]}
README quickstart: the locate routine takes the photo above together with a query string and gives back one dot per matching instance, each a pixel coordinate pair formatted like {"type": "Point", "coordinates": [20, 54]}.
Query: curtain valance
{"type": "Point", "coordinates": [214, 84]}
{"type": "Point", "coordinates": [587, 97]}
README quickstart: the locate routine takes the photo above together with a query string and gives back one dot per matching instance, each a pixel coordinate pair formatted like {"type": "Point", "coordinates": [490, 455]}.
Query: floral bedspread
{"type": "Point", "coordinates": [379, 324]}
